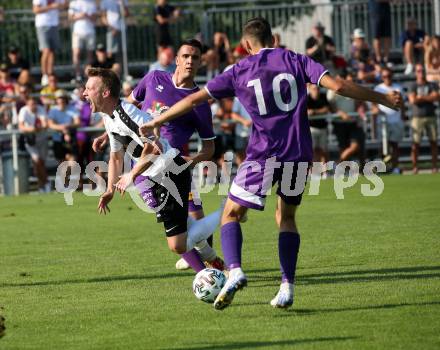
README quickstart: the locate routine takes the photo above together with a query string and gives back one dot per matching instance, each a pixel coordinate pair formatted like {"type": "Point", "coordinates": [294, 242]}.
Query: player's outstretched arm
{"type": "Point", "coordinates": [115, 166]}
{"type": "Point", "coordinates": [349, 89]}
{"type": "Point", "coordinates": [147, 158]}
{"type": "Point", "coordinates": [180, 108]}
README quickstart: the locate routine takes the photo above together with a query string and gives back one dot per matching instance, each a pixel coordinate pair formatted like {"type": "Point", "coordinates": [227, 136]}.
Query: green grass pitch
{"type": "Point", "coordinates": [368, 276]}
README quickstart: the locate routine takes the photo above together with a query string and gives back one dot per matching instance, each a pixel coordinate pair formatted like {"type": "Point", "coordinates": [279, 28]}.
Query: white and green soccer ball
{"type": "Point", "coordinates": [207, 284]}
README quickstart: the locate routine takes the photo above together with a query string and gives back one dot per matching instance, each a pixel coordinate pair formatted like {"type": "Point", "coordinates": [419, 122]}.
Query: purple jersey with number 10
{"type": "Point", "coordinates": [271, 85]}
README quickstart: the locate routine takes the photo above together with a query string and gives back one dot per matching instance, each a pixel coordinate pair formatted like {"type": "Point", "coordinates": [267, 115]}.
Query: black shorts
{"type": "Point", "coordinates": [61, 149]}
{"type": "Point", "coordinates": [381, 20]}
{"type": "Point", "coordinates": [348, 132]}
{"type": "Point", "coordinates": [173, 215]}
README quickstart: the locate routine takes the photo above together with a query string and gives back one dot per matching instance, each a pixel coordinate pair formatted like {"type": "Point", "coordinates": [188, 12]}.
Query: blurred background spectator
{"type": "Point", "coordinates": [47, 18]}
{"type": "Point", "coordinates": [348, 129]}
{"type": "Point", "coordinates": [317, 107]}
{"type": "Point", "coordinates": [380, 17]}
{"type": "Point", "coordinates": [320, 46]}
{"type": "Point", "coordinates": [47, 93]}
{"type": "Point", "coordinates": [243, 124]}
{"type": "Point", "coordinates": [19, 68]}
{"type": "Point", "coordinates": [164, 14]}
{"type": "Point", "coordinates": [83, 14]}
{"type": "Point", "coordinates": [102, 60]}
{"type": "Point", "coordinates": [63, 119]}
{"type": "Point", "coordinates": [165, 61]}
{"type": "Point", "coordinates": [32, 120]}
{"type": "Point", "coordinates": [422, 96]}
{"type": "Point", "coordinates": [112, 13]}
{"type": "Point", "coordinates": [432, 59]}
{"type": "Point", "coordinates": [393, 122]}
{"type": "Point", "coordinates": [412, 40]}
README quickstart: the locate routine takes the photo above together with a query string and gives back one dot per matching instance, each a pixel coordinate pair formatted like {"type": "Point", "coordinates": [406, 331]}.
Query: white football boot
{"type": "Point", "coordinates": [284, 297]}
{"type": "Point", "coordinates": [181, 264]}
{"type": "Point", "coordinates": [236, 281]}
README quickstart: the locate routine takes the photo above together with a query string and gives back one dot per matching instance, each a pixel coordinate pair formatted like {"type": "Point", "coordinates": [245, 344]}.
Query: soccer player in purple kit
{"type": "Point", "coordinates": [271, 85]}
{"type": "Point", "coordinates": [156, 93]}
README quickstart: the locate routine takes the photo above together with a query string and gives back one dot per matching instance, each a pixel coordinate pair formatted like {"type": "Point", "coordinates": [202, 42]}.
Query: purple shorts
{"type": "Point", "coordinates": [255, 179]}
{"type": "Point", "coordinates": [146, 192]}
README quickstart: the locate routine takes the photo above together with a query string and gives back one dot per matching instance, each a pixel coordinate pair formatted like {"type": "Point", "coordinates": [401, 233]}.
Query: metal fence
{"type": "Point", "coordinates": [292, 20]}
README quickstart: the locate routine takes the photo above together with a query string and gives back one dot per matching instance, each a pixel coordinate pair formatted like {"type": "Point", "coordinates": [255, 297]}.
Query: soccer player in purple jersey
{"type": "Point", "coordinates": [155, 94]}
{"type": "Point", "coordinates": [271, 85]}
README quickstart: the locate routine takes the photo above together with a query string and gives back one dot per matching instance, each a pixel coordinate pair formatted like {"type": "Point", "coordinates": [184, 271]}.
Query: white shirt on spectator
{"type": "Point", "coordinates": [47, 19]}
{"type": "Point", "coordinates": [29, 118]}
{"type": "Point", "coordinates": [84, 26]}
{"type": "Point", "coordinates": [113, 12]}
{"type": "Point", "coordinates": [392, 115]}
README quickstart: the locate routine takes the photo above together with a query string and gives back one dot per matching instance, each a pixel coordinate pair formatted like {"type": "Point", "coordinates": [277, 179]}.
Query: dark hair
{"type": "Point", "coordinates": [191, 42]}
{"type": "Point", "coordinates": [259, 29]}
{"type": "Point", "coordinates": [387, 69]}
{"type": "Point", "coordinates": [109, 79]}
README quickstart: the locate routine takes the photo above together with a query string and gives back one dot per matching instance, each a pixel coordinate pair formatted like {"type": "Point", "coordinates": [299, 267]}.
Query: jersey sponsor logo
{"type": "Point", "coordinates": [159, 88]}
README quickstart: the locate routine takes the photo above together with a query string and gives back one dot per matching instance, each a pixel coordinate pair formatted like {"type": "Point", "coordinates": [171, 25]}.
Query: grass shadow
{"type": "Point", "coordinates": [260, 344]}
{"type": "Point", "coordinates": [98, 280]}
{"type": "Point", "coordinates": [307, 312]}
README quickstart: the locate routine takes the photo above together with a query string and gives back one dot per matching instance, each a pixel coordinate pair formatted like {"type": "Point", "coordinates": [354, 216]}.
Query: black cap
{"type": "Point", "coordinates": [100, 47]}
{"type": "Point", "coordinates": [13, 49]}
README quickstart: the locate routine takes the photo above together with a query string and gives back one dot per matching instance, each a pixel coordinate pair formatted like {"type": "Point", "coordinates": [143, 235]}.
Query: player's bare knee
{"type": "Point", "coordinates": [177, 247]}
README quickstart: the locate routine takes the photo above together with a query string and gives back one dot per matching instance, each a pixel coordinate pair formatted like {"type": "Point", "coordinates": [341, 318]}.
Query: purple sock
{"type": "Point", "coordinates": [193, 259]}
{"type": "Point", "coordinates": [232, 239]}
{"type": "Point", "coordinates": [288, 247]}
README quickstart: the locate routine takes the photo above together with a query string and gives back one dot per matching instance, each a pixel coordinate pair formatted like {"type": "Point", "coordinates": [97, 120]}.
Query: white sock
{"type": "Point", "coordinates": [207, 253]}
{"type": "Point", "coordinates": [200, 230]}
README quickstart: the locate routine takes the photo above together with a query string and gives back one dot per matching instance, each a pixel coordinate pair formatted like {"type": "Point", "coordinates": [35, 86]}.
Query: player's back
{"type": "Point", "coordinates": [271, 85]}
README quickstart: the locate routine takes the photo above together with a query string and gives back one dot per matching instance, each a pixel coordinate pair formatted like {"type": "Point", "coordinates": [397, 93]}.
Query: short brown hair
{"type": "Point", "coordinates": [259, 29]}
{"type": "Point", "coordinates": [109, 79]}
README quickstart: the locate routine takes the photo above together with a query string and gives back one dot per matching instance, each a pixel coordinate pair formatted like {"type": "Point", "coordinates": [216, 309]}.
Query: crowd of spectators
{"type": "Point", "coordinates": [42, 105]}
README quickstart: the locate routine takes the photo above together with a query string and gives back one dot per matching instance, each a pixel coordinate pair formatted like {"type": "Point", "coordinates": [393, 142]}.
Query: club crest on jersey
{"type": "Point", "coordinates": [159, 88]}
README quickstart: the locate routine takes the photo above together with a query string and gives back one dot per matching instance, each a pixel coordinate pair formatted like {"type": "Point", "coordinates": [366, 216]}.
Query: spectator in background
{"type": "Point", "coordinates": [277, 41]}
{"type": "Point", "coordinates": [24, 91]}
{"type": "Point", "coordinates": [63, 119]}
{"type": "Point", "coordinates": [432, 59]}
{"type": "Point", "coordinates": [242, 130]}
{"type": "Point", "coordinates": [7, 86]}
{"type": "Point", "coordinates": [101, 60]}
{"type": "Point", "coordinates": [219, 55]}
{"type": "Point", "coordinates": [359, 51]}
{"type": "Point", "coordinates": [127, 87]}
{"type": "Point", "coordinates": [112, 13]}
{"type": "Point", "coordinates": [165, 61]}
{"type": "Point", "coordinates": [47, 94]}
{"type": "Point", "coordinates": [19, 68]}
{"type": "Point", "coordinates": [380, 16]}
{"type": "Point", "coordinates": [47, 13]}
{"type": "Point", "coordinates": [393, 119]}
{"type": "Point", "coordinates": [164, 14]}
{"type": "Point", "coordinates": [348, 129]}
{"type": "Point", "coordinates": [83, 14]}
{"type": "Point", "coordinates": [422, 96]}
{"type": "Point", "coordinates": [317, 106]}
{"type": "Point", "coordinates": [412, 40]}
{"type": "Point", "coordinates": [32, 120]}
{"type": "Point", "coordinates": [320, 46]}
{"type": "Point", "coordinates": [224, 128]}
{"type": "Point", "coordinates": [83, 140]}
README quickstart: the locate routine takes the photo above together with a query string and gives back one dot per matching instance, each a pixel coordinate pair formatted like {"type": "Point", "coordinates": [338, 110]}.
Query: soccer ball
{"type": "Point", "coordinates": [207, 284]}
